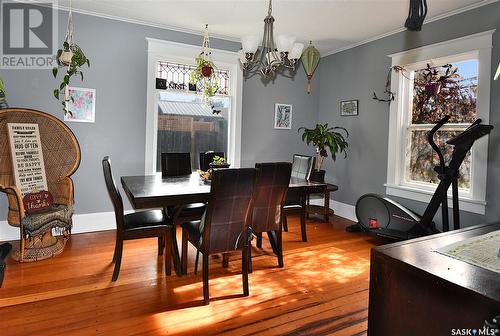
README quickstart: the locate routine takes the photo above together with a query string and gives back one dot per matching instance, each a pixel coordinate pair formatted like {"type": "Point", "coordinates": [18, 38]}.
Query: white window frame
{"type": "Point", "coordinates": [479, 45]}
{"type": "Point", "coordinates": [167, 51]}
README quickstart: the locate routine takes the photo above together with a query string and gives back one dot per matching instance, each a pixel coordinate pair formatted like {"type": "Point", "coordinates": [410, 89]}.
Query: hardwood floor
{"type": "Point", "coordinates": [322, 290]}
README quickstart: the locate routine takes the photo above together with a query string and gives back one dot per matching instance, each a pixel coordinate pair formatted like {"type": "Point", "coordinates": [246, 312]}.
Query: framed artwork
{"type": "Point", "coordinates": [282, 116]}
{"type": "Point", "coordinates": [349, 108]}
{"type": "Point", "coordinates": [82, 107]}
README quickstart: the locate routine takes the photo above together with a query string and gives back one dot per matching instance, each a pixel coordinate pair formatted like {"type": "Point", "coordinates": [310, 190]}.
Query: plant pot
{"type": "Point", "coordinates": [66, 57]}
{"type": "Point", "coordinates": [433, 88]}
{"type": "Point", "coordinates": [206, 71]}
{"type": "Point", "coordinates": [219, 165]}
{"type": "Point", "coordinates": [317, 176]}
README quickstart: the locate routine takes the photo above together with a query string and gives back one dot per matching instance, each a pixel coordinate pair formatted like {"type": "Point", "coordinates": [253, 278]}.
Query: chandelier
{"type": "Point", "coordinates": [271, 57]}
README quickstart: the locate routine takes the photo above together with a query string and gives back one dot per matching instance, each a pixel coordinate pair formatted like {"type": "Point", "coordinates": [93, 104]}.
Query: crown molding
{"type": "Point", "coordinates": [401, 29]}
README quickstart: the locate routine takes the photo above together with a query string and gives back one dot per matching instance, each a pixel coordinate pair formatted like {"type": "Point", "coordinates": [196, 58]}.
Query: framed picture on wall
{"type": "Point", "coordinates": [349, 108]}
{"type": "Point", "coordinates": [82, 106]}
{"type": "Point", "coordinates": [282, 116]}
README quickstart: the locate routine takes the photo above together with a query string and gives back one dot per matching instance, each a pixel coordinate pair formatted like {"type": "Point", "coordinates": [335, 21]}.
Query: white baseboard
{"type": "Point", "coordinates": [91, 222]}
{"type": "Point", "coordinates": [341, 209]}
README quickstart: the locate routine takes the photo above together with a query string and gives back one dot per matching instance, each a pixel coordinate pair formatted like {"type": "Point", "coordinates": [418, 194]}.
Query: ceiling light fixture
{"type": "Point", "coordinates": [271, 57]}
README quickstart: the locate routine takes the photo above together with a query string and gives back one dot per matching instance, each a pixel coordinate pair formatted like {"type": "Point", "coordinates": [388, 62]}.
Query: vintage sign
{"type": "Point", "coordinates": [37, 202]}
{"type": "Point", "coordinates": [27, 157]}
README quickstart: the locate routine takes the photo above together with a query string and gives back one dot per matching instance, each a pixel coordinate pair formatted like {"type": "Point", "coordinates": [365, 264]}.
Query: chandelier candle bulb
{"type": "Point", "coordinates": [250, 44]}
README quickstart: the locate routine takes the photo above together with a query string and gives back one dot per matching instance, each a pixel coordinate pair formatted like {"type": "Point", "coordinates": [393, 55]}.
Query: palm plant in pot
{"type": "Point", "coordinates": [325, 138]}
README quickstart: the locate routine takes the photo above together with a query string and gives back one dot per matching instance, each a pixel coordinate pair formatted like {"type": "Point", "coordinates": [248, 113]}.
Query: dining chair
{"type": "Point", "coordinates": [175, 164]}
{"type": "Point", "coordinates": [272, 186]}
{"type": "Point", "coordinates": [207, 157]}
{"type": "Point", "coordinates": [226, 225]}
{"type": "Point", "coordinates": [179, 164]}
{"type": "Point", "coordinates": [302, 166]}
{"type": "Point", "coordinates": [144, 224]}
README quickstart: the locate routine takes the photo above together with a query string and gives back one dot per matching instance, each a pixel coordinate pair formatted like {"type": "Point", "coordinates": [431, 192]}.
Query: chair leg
{"type": "Point", "coordinates": [225, 260]}
{"type": "Point", "coordinates": [285, 223]}
{"type": "Point", "coordinates": [279, 247]}
{"type": "Point", "coordinates": [161, 245]}
{"type": "Point", "coordinates": [206, 292]}
{"type": "Point", "coordinates": [249, 257]}
{"type": "Point", "coordinates": [245, 260]}
{"type": "Point", "coordinates": [184, 252]}
{"type": "Point", "coordinates": [259, 240]}
{"type": "Point", "coordinates": [168, 251]}
{"type": "Point", "coordinates": [303, 220]}
{"type": "Point", "coordinates": [196, 261]}
{"type": "Point", "coordinates": [116, 249]}
{"type": "Point", "coordinates": [118, 260]}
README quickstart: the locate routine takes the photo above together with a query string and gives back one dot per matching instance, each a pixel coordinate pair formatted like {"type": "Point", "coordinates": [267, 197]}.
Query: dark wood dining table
{"type": "Point", "coordinates": [155, 191]}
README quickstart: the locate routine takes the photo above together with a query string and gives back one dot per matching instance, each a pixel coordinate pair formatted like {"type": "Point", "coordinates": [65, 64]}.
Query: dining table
{"type": "Point", "coordinates": [172, 192]}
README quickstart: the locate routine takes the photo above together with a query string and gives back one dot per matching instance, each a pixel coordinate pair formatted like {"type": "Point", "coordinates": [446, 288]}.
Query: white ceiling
{"type": "Point", "coordinates": [332, 25]}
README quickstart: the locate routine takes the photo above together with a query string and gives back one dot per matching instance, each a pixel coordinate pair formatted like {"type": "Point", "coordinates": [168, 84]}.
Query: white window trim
{"type": "Point", "coordinates": [481, 44]}
{"type": "Point", "coordinates": [159, 50]}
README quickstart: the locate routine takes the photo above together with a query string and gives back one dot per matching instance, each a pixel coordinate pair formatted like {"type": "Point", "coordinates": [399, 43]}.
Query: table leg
{"type": "Point", "coordinates": [170, 211]}
{"type": "Point", "coordinates": [327, 206]}
{"type": "Point", "coordinates": [273, 241]}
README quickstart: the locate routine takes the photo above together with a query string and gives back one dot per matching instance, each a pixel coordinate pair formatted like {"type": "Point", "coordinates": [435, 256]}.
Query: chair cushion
{"type": "Point", "coordinates": [194, 231]}
{"type": "Point", "coordinates": [193, 211]}
{"type": "Point", "coordinates": [59, 216]}
{"type": "Point", "coordinates": [145, 219]}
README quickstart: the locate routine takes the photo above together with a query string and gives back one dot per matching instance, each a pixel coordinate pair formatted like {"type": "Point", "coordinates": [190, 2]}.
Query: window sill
{"type": "Point", "coordinates": [466, 204]}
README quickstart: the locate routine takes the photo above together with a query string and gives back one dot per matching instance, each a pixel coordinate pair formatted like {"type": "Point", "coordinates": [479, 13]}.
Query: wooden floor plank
{"type": "Point", "coordinates": [322, 290]}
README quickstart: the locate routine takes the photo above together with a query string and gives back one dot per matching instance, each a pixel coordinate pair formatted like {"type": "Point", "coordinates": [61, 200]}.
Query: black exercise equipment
{"type": "Point", "coordinates": [385, 217]}
{"type": "Point", "coordinates": [4, 252]}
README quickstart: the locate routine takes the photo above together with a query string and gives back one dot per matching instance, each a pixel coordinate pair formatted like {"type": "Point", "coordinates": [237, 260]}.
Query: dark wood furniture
{"type": "Point", "coordinates": [295, 202]}
{"type": "Point", "coordinates": [207, 158]}
{"type": "Point", "coordinates": [145, 224]}
{"type": "Point", "coordinates": [153, 191]}
{"type": "Point", "coordinates": [225, 227]}
{"type": "Point", "coordinates": [272, 185]}
{"type": "Point", "coordinates": [416, 291]}
{"type": "Point", "coordinates": [324, 210]}
{"type": "Point", "coordinates": [175, 164]}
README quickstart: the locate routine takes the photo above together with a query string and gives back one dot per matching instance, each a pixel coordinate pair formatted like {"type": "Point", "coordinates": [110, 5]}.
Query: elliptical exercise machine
{"type": "Point", "coordinates": [385, 217]}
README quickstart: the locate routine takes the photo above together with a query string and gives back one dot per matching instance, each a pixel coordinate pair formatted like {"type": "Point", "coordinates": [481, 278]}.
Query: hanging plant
{"type": "Point", "coordinates": [205, 72]}
{"type": "Point", "coordinates": [71, 57]}
{"type": "Point", "coordinates": [387, 91]}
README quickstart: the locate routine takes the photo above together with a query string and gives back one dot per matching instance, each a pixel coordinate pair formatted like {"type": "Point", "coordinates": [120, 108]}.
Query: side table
{"type": "Point", "coordinates": [325, 208]}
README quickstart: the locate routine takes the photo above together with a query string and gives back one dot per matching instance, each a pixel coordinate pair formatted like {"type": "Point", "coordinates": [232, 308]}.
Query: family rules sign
{"type": "Point", "coordinates": [27, 158]}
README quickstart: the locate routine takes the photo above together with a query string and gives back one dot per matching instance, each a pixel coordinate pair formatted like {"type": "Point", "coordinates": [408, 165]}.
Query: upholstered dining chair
{"type": "Point", "coordinates": [207, 157]}
{"type": "Point", "coordinates": [144, 224]}
{"type": "Point", "coordinates": [175, 164]}
{"type": "Point", "coordinates": [226, 224]}
{"type": "Point", "coordinates": [272, 185]}
{"type": "Point", "coordinates": [302, 166]}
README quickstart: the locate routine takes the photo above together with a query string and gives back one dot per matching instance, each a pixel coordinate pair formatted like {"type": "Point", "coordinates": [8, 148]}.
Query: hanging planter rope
{"type": "Point", "coordinates": [416, 15]}
{"type": "Point", "coordinates": [205, 72]}
{"type": "Point", "coordinates": [72, 57]}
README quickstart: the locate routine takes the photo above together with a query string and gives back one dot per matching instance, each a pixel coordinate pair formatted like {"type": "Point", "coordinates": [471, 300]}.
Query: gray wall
{"type": "Point", "coordinates": [118, 54]}
{"type": "Point", "coordinates": [260, 141]}
{"type": "Point", "coordinates": [357, 72]}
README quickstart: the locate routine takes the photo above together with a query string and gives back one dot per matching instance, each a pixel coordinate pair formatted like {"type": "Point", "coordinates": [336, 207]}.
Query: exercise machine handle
{"type": "Point", "coordinates": [430, 139]}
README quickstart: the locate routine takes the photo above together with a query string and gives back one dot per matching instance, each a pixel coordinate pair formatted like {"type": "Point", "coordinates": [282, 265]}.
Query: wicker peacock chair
{"type": "Point", "coordinates": [61, 153]}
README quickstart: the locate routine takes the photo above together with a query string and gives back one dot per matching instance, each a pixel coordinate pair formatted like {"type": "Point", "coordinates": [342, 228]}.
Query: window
{"type": "Point", "coordinates": [449, 78]}
{"type": "Point", "coordinates": [185, 122]}
{"type": "Point", "coordinates": [177, 119]}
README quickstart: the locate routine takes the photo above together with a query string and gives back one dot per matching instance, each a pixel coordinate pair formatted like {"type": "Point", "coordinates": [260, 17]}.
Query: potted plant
{"type": "Point", "coordinates": [323, 138]}
{"type": "Point", "coordinates": [205, 75]}
{"type": "Point", "coordinates": [72, 57]}
{"type": "Point", "coordinates": [219, 162]}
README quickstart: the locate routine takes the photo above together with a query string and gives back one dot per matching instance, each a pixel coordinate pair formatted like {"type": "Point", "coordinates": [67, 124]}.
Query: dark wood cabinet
{"type": "Point", "coordinates": [417, 291]}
